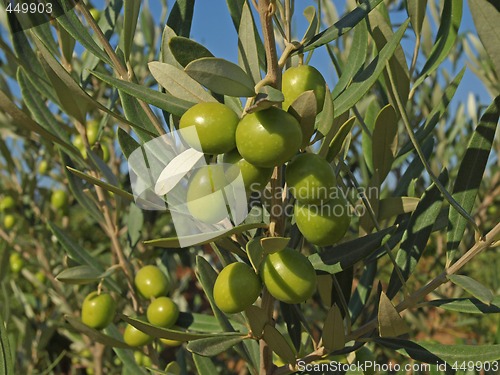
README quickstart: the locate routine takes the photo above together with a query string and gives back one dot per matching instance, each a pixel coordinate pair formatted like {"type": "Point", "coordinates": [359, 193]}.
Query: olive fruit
{"type": "Point", "coordinates": [43, 167]}
{"type": "Point", "coordinates": [268, 138]}
{"type": "Point", "coordinates": [254, 178]}
{"type": "Point", "coordinates": [297, 80]}
{"type": "Point", "coordinates": [325, 224]}
{"type": "Point", "coordinates": [289, 276]}
{"type": "Point", "coordinates": [237, 287]}
{"type": "Point", "coordinates": [151, 282]}
{"type": "Point", "coordinates": [98, 310]}
{"type": "Point", "coordinates": [134, 337]}
{"type": "Point", "coordinates": [59, 199]}
{"type": "Point", "coordinates": [16, 263]}
{"type": "Point", "coordinates": [9, 221]}
{"type": "Point", "coordinates": [163, 312]}
{"type": "Point", "coordinates": [310, 178]}
{"type": "Point", "coordinates": [92, 131]}
{"type": "Point", "coordinates": [205, 198]}
{"type": "Point", "coordinates": [7, 203]}
{"type": "Point", "coordinates": [215, 125]}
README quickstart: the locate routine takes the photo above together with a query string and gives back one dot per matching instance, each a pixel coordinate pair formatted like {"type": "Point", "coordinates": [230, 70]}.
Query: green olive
{"type": "Point", "coordinates": [289, 276]}
{"type": "Point", "coordinates": [236, 288]}
{"type": "Point", "coordinates": [325, 224]}
{"type": "Point", "coordinates": [215, 126]}
{"type": "Point", "coordinates": [268, 138]}
{"type": "Point", "coordinates": [297, 80]}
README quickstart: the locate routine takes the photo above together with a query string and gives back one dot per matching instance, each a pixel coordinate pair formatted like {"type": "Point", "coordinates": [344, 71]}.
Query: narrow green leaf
{"type": "Point", "coordinates": [338, 258]}
{"type": "Point", "coordinates": [467, 305]}
{"type": "Point", "coordinates": [438, 353]}
{"type": "Point", "coordinates": [339, 138]}
{"type": "Point", "coordinates": [416, 12]}
{"type": "Point", "coordinates": [363, 81]}
{"type": "Point", "coordinates": [417, 233]}
{"type": "Point", "coordinates": [80, 255]}
{"type": "Point", "coordinates": [106, 23]}
{"type": "Point", "coordinates": [257, 320]}
{"type": "Point", "coordinates": [212, 346]}
{"type": "Point", "coordinates": [79, 275]}
{"type": "Point", "coordinates": [94, 334]}
{"type": "Point", "coordinates": [71, 23]}
{"type": "Point", "coordinates": [415, 168]}
{"type": "Point", "coordinates": [68, 80]}
{"type": "Point", "coordinates": [342, 26]}
{"type": "Point", "coordinates": [397, 69]}
{"type": "Point", "coordinates": [29, 61]}
{"type": "Point", "coordinates": [473, 287]}
{"type": "Point", "coordinates": [312, 18]}
{"type": "Point", "coordinates": [470, 174]}
{"type": "Point", "coordinates": [221, 76]}
{"type": "Point", "coordinates": [394, 206]}
{"type": "Point", "coordinates": [102, 184]}
{"type": "Point", "coordinates": [278, 344]}
{"type": "Point", "coordinates": [174, 334]}
{"type": "Point", "coordinates": [333, 330]}
{"type": "Point", "coordinates": [384, 141]}
{"type": "Point", "coordinates": [326, 122]}
{"type": "Point", "coordinates": [39, 110]}
{"type": "Point", "coordinates": [361, 295]}
{"type": "Point", "coordinates": [67, 43]}
{"type": "Point", "coordinates": [21, 119]}
{"type": "Point", "coordinates": [204, 323]}
{"type": "Point", "coordinates": [177, 82]}
{"type": "Point", "coordinates": [355, 59]}
{"type": "Point", "coordinates": [451, 18]}
{"type": "Point", "coordinates": [186, 50]}
{"type": "Point", "coordinates": [76, 188]}
{"type": "Point", "coordinates": [127, 143]}
{"type": "Point", "coordinates": [163, 101]}
{"type": "Point", "coordinates": [6, 357]}
{"type": "Point", "coordinates": [390, 323]}
{"type": "Point", "coordinates": [486, 16]}
{"type": "Point", "coordinates": [436, 114]}
{"type": "Point", "coordinates": [255, 252]}
{"type": "Point", "coordinates": [166, 54]}
{"type": "Point", "coordinates": [66, 89]}
{"type": "Point", "coordinates": [204, 365]}
{"type": "Point", "coordinates": [248, 54]}
{"type": "Point", "coordinates": [136, 115]}
{"type": "Point", "coordinates": [173, 242]}
{"type": "Point", "coordinates": [236, 10]}
{"type": "Point", "coordinates": [130, 17]}
{"type": "Point", "coordinates": [181, 16]}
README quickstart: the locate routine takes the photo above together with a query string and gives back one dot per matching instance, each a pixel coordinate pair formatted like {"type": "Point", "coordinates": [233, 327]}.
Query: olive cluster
{"type": "Point", "coordinates": [287, 275]}
{"type": "Point", "coordinates": [98, 309]}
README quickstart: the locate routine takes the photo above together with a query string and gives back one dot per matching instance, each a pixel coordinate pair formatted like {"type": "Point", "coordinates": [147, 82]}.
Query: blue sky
{"type": "Point", "coordinates": [212, 26]}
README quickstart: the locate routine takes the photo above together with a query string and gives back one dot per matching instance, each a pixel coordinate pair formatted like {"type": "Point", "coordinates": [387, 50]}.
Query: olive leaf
{"type": "Point", "coordinates": [390, 323]}
{"type": "Point", "coordinates": [221, 76]}
{"type": "Point", "coordinates": [333, 330]}
{"type": "Point", "coordinates": [474, 287]}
